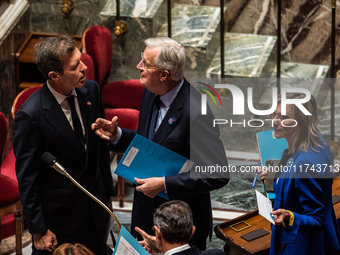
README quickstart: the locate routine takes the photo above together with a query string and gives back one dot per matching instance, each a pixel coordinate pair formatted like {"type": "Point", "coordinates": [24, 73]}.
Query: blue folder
{"type": "Point", "coordinates": [270, 147]}
{"type": "Point", "coordinates": [145, 159]}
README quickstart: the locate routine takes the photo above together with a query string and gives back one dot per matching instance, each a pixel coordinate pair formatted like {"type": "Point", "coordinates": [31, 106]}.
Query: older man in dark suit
{"type": "Point", "coordinates": [57, 119]}
{"type": "Point", "coordinates": [170, 116]}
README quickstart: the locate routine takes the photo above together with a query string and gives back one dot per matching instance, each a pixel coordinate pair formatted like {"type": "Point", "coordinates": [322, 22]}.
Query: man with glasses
{"type": "Point", "coordinates": [170, 116]}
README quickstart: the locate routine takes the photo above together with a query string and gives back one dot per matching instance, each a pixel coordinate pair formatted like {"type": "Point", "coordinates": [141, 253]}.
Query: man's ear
{"type": "Point", "coordinates": [54, 76]}
{"type": "Point", "coordinates": [193, 231]}
{"type": "Point", "coordinates": [165, 75]}
{"type": "Point", "coordinates": [158, 233]}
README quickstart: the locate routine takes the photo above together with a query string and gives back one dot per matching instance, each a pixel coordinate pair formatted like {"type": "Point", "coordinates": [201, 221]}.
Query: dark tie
{"type": "Point", "coordinates": [76, 122]}
{"type": "Point", "coordinates": [155, 111]}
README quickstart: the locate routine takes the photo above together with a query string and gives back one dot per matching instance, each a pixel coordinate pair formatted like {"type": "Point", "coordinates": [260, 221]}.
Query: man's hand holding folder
{"type": "Point", "coordinates": [151, 187]}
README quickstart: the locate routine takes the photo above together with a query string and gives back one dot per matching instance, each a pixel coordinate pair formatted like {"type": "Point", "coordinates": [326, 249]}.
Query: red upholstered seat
{"type": "Point", "coordinates": [87, 60]}
{"type": "Point", "coordinates": [9, 193]}
{"type": "Point", "coordinates": [127, 117]}
{"type": "Point", "coordinates": [97, 42]}
{"type": "Point", "coordinates": [123, 99]}
{"type": "Point", "coordinates": [8, 166]}
{"type": "Point", "coordinates": [8, 190]}
{"type": "Point", "coordinates": [22, 97]}
{"type": "Point", "coordinates": [123, 94]}
{"type": "Point", "coordinates": [3, 135]}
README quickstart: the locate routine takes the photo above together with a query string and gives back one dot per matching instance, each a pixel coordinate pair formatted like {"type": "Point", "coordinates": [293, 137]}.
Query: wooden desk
{"type": "Point", "coordinates": [336, 191]}
{"type": "Point", "coordinates": [27, 73]}
{"type": "Point", "coordinates": [235, 245]}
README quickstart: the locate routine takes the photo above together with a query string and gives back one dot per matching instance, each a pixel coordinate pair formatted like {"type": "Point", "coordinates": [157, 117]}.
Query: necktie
{"type": "Point", "coordinates": [76, 122]}
{"type": "Point", "coordinates": [155, 111]}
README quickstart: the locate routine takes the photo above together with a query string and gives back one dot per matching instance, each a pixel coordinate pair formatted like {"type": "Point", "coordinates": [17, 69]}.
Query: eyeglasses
{"type": "Point", "coordinates": [145, 66]}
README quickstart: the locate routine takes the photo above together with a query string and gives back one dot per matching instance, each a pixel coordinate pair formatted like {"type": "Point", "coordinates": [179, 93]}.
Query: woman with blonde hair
{"type": "Point", "coordinates": [73, 249]}
{"type": "Point", "coordinates": [305, 221]}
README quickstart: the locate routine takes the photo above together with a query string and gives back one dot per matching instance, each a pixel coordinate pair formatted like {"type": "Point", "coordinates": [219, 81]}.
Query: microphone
{"type": "Point", "coordinates": [50, 160]}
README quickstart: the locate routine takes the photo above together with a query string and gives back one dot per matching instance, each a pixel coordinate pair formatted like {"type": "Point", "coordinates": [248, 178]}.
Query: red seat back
{"type": "Point", "coordinates": [123, 94]}
{"type": "Point", "coordinates": [87, 60]}
{"type": "Point", "coordinates": [3, 135]}
{"type": "Point", "coordinates": [97, 42]}
{"type": "Point", "coordinates": [22, 97]}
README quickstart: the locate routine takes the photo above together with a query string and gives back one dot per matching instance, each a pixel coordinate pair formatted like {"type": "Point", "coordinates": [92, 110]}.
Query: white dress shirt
{"type": "Point", "coordinates": [61, 99]}
{"type": "Point", "coordinates": [178, 249]}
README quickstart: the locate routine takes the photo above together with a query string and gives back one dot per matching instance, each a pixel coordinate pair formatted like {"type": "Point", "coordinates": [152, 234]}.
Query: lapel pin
{"type": "Point", "coordinates": [171, 121]}
{"type": "Point", "coordinates": [290, 162]}
{"type": "Point", "coordinates": [88, 103]}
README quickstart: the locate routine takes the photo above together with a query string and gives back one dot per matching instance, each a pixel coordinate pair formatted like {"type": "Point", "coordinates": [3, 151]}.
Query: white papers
{"type": "Point", "coordinates": [128, 245]}
{"type": "Point", "coordinates": [125, 248]}
{"type": "Point", "coordinates": [265, 207]}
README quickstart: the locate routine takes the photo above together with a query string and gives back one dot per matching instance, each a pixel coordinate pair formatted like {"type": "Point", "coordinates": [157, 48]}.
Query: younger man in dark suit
{"type": "Point", "coordinates": [57, 119]}
{"type": "Point", "coordinates": [173, 229]}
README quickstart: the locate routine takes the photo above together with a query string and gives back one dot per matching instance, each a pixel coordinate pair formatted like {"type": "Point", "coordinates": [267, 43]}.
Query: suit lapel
{"type": "Point", "coordinates": [173, 114]}
{"type": "Point", "coordinates": [56, 117]}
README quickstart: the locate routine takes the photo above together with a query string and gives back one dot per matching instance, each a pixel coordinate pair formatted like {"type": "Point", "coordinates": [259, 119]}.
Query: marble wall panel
{"type": "Point", "coordinates": [246, 56]}
{"type": "Point", "coordinates": [8, 48]}
{"type": "Point", "coordinates": [305, 25]}
{"type": "Point", "coordinates": [46, 17]}
{"type": "Point", "coordinates": [197, 28]}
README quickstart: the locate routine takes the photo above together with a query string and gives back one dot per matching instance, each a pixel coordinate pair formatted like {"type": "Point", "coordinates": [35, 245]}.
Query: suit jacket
{"type": "Point", "coordinates": [49, 199]}
{"type": "Point", "coordinates": [195, 251]}
{"type": "Point", "coordinates": [305, 188]}
{"type": "Point", "coordinates": [191, 135]}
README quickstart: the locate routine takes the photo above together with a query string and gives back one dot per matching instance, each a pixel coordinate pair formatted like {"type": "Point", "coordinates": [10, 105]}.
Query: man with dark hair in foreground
{"type": "Point", "coordinates": [173, 229]}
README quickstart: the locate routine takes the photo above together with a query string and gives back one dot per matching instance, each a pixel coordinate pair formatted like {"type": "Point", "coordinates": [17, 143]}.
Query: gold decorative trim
{"type": "Point", "coordinates": [238, 223]}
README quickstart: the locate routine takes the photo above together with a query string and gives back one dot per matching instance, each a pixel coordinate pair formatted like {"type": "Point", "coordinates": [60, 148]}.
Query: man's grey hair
{"type": "Point", "coordinates": [49, 52]}
{"type": "Point", "coordinates": [171, 57]}
{"type": "Point", "coordinates": [175, 221]}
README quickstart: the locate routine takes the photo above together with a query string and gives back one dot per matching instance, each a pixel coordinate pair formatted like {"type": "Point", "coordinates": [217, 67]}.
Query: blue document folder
{"type": "Point", "coordinates": [270, 147]}
{"type": "Point", "coordinates": [145, 159]}
{"type": "Point", "coordinates": [127, 244]}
